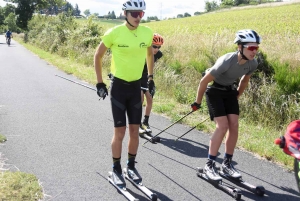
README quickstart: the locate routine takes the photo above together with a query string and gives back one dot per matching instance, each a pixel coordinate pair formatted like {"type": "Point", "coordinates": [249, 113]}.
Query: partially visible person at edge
{"type": "Point", "coordinates": [131, 45]}
{"type": "Point", "coordinates": [8, 35]}
{"type": "Point", "coordinates": [222, 98]}
{"type": "Point", "coordinates": [148, 88]}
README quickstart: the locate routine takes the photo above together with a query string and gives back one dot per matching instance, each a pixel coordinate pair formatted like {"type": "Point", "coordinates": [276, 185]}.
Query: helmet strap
{"type": "Point", "coordinates": [127, 20]}
{"type": "Point", "coordinates": [242, 54]}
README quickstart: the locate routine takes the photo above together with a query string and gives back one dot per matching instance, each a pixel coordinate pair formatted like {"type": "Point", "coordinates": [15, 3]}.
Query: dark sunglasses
{"type": "Point", "coordinates": [251, 48]}
{"type": "Point", "coordinates": [154, 46]}
{"type": "Point", "coordinates": [135, 14]}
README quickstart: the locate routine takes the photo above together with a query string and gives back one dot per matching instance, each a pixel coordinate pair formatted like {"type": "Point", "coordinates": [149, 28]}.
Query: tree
{"type": "Point", "coordinates": [10, 20]}
{"type": "Point", "coordinates": [187, 15]}
{"type": "Point", "coordinates": [113, 15]}
{"type": "Point", "coordinates": [211, 6]}
{"type": "Point", "coordinates": [179, 16]}
{"type": "Point", "coordinates": [2, 18]}
{"type": "Point", "coordinates": [197, 13]}
{"type": "Point", "coordinates": [26, 8]}
{"type": "Point", "coordinates": [76, 10]}
{"type": "Point", "coordinates": [87, 12]}
{"type": "Point", "coordinates": [8, 8]}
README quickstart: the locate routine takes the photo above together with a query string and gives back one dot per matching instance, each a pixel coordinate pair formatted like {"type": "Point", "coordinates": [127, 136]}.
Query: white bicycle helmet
{"type": "Point", "coordinates": [247, 36]}
{"type": "Point", "coordinates": [134, 5]}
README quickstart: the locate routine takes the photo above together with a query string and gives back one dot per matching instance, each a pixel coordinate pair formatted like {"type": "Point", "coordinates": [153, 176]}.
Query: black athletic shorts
{"type": "Point", "coordinates": [221, 102]}
{"type": "Point", "coordinates": [144, 83]}
{"type": "Point", "coordinates": [125, 98]}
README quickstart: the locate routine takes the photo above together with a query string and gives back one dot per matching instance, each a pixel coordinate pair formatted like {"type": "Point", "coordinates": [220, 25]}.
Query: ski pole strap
{"type": "Point", "coordinates": [191, 129]}
{"type": "Point", "coordinates": [171, 125]}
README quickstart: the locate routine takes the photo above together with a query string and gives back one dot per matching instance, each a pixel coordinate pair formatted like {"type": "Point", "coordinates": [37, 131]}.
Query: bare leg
{"type": "Point", "coordinates": [133, 143]}
{"type": "Point", "coordinates": [149, 101]}
{"type": "Point", "coordinates": [232, 137]}
{"type": "Point", "coordinates": [218, 135]}
{"type": "Point", "coordinates": [116, 143]}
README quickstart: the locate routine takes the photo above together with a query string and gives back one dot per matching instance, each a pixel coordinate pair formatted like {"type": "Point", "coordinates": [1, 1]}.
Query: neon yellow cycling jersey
{"type": "Point", "coordinates": [129, 50]}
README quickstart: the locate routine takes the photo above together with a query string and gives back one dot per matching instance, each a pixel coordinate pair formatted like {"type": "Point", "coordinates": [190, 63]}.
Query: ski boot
{"type": "Point", "coordinates": [148, 136]}
{"type": "Point", "coordinates": [211, 172]}
{"type": "Point", "coordinates": [229, 172]}
{"type": "Point", "coordinates": [147, 128]}
{"type": "Point", "coordinates": [148, 131]}
{"type": "Point", "coordinates": [211, 175]}
{"type": "Point", "coordinates": [118, 179]}
{"type": "Point", "coordinates": [228, 168]}
{"type": "Point", "coordinates": [133, 174]}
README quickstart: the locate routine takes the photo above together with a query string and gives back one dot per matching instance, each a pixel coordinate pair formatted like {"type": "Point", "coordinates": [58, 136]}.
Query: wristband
{"type": "Point", "coordinates": [150, 76]}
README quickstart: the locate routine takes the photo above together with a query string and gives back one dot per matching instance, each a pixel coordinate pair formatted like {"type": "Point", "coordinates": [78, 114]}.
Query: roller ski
{"type": "Point", "coordinates": [210, 174]}
{"type": "Point", "coordinates": [134, 177]}
{"type": "Point", "coordinates": [146, 133]}
{"type": "Point", "coordinates": [228, 172]}
{"type": "Point", "coordinates": [118, 182]}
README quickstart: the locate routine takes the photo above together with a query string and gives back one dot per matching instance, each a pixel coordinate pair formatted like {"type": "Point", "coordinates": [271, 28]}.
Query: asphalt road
{"type": "Point", "coordinates": [61, 132]}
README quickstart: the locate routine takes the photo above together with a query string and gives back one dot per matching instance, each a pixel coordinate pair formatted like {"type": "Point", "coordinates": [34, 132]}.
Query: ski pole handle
{"type": "Point", "coordinates": [101, 92]}
{"type": "Point", "coordinates": [171, 125]}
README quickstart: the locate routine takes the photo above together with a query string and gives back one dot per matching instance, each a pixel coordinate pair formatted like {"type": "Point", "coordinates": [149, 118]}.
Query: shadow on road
{"type": "Point", "coordinates": [165, 198]}
{"type": "Point", "coordinates": [186, 147]}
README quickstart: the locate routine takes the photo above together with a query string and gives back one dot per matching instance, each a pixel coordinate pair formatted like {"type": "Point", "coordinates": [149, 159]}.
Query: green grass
{"type": "Point", "coordinates": [19, 186]}
{"type": "Point", "coordinates": [2, 138]}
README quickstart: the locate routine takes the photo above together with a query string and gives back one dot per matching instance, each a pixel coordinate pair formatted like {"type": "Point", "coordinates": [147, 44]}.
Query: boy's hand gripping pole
{"type": "Point", "coordinates": [191, 129]}
{"type": "Point", "coordinates": [171, 125]}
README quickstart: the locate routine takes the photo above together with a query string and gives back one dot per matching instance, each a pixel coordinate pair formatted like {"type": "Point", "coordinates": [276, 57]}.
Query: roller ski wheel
{"type": "Point", "coordinates": [154, 197]}
{"type": "Point", "coordinates": [237, 194]}
{"type": "Point", "coordinates": [260, 190]}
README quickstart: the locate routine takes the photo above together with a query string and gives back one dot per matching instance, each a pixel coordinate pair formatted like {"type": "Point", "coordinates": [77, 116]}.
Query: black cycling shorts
{"type": "Point", "coordinates": [125, 98]}
{"type": "Point", "coordinates": [144, 83]}
{"type": "Point", "coordinates": [221, 102]}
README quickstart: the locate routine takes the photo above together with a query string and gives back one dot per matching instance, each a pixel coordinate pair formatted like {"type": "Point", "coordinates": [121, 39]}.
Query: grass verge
{"type": "Point", "coordinates": [17, 185]}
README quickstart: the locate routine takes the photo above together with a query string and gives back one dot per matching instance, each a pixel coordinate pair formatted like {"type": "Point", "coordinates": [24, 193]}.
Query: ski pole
{"type": "Point", "coordinates": [171, 125]}
{"type": "Point", "coordinates": [77, 82]}
{"type": "Point", "coordinates": [191, 129]}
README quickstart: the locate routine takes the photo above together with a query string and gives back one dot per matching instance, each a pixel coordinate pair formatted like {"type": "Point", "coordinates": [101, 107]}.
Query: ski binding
{"type": "Point", "coordinates": [259, 190]}
{"type": "Point", "coordinates": [234, 192]}
{"type": "Point", "coordinates": [138, 184]}
{"type": "Point", "coordinates": [121, 189]}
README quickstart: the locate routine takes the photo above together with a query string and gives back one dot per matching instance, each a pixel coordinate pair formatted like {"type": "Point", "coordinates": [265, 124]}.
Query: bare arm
{"type": "Point", "coordinates": [243, 84]}
{"type": "Point", "coordinates": [98, 61]}
{"type": "Point", "coordinates": [150, 61]}
{"type": "Point", "coordinates": [202, 87]}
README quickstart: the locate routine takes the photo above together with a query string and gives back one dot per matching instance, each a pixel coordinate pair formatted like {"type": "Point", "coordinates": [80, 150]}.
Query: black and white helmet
{"type": "Point", "coordinates": [247, 36]}
{"type": "Point", "coordinates": [134, 5]}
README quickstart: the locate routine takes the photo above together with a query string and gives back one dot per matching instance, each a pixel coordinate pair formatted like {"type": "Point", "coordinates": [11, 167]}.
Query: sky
{"type": "Point", "coordinates": [160, 8]}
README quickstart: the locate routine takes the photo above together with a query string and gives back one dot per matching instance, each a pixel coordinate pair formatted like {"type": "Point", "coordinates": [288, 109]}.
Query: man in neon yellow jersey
{"type": "Point", "coordinates": [131, 44]}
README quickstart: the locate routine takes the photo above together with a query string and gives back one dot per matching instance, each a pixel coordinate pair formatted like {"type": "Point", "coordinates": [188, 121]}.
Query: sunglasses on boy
{"type": "Point", "coordinates": [154, 46]}
{"type": "Point", "coordinates": [135, 14]}
{"type": "Point", "coordinates": [251, 47]}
